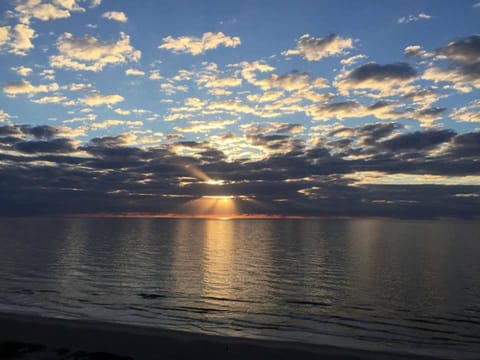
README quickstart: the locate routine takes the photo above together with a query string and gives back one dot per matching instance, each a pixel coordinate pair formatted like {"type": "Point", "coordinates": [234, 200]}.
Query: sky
{"type": "Point", "coordinates": [305, 108]}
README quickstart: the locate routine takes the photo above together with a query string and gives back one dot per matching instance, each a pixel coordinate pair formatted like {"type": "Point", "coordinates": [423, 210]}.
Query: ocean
{"type": "Point", "coordinates": [377, 284]}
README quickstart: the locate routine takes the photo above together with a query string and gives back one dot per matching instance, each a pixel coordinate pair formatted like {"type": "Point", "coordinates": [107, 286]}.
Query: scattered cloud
{"type": "Point", "coordinates": [53, 100]}
{"type": "Point", "coordinates": [90, 54]}
{"type": "Point", "coordinates": [22, 70]}
{"type": "Point", "coordinates": [385, 79]}
{"type": "Point", "coordinates": [58, 9]}
{"type": "Point", "coordinates": [352, 59]}
{"type": "Point", "coordinates": [17, 39]}
{"type": "Point", "coordinates": [469, 113]}
{"type": "Point", "coordinates": [314, 49]}
{"type": "Point", "coordinates": [413, 18]}
{"type": "Point", "coordinates": [114, 122]}
{"type": "Point", "coordinates": [134, 72]}
{"type": "Point", "coordinates": [115, 15]}
{"type": "Point", "coordinates": [4, 116]}
{"type": "Point", "coordinates": [98, 99]}
{"type": "Point", "coordinates": [155, 75]}
{"type": "Point", "coordinates": [197, 46]}
{"type": "Point", "coordinates": [25, 87]}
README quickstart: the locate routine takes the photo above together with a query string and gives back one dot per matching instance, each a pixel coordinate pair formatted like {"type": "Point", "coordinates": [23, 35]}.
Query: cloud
{"type": "Point", "coordinates": [197, 46]}
{"type": "Point", "coordinates": [25, 87]}
{"type": "Point", "coordinates": [464, 50]}
{"type": "Point", "coordinates": [292, 81]}
{"type": "Point", "coordinates": [387, 79]}
{"type": "Point", "coordinates": [134, 72]}
{"type": "Point", "coordinates": [416, 141]}
{"type": "Point", "coordinates": [99, 99]}
{"type": "Point", "coordinates": [115, 15]}
{"type": "Point", "coordinates": [155, 75]}
{"type": "Point", "coordinates": [464, 70]}
{"type": "Point", "coordinates": [249, 69]}
{"type": "Point", "coordinates": [114, 122]}
{"type": "Point", "coordinates": [352, 59]}
{"type": "Point", "coordinates": [52, 171]}
{"type": "Point", "coordinates": [17, 39]}
{"type": "Point", "coordinates": [90, 54]}
{"type": "Point", "coordinates": [58, 9]}
{"type": "Point", "coordinates": [22, 70]}
{"type": "Point", "coordinates": [223, 82]}
{"type": "Point", "coordinates": [416, 51]}
{"type": "Point", "coordinates": [468, 113]}
{"type": "Point", "coordinates": [4, 116]}
{"type": "Point", "coordinates": [53, 100]}
{"type": "Point", "coordinates": [412, 18]}
{"type": "Point", "coordinates": [39, 131]}
{"type": "Point", "coordinates": [314, 49]}
{"type": "Point", "coordinates": [61, 146]}
{"type": "Point", "coordinates": [4, 34]}
{"type": "Point", "coordinates": [339, 110]}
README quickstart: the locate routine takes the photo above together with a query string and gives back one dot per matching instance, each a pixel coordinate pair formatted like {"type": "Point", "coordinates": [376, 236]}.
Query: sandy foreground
{"type": "Point", "coordinates": [32, 337]}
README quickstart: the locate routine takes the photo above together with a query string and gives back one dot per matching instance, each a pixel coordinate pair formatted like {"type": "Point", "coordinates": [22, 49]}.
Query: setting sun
{"type": "Point", "coordinates": [217, 206]}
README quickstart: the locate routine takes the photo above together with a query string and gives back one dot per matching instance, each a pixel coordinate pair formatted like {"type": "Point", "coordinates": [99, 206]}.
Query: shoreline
{"type": "Point", "coordinates": [63, 338]}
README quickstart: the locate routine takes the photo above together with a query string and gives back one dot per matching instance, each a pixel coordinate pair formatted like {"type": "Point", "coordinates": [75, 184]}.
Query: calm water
{"type": "Point", "coordinates": [383, 284]}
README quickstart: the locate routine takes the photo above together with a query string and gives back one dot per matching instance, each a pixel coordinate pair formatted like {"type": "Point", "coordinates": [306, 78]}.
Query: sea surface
{"type": "Point", "coordinates": [397, 285]}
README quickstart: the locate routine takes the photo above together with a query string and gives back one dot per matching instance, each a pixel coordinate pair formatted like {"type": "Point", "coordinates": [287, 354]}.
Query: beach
{"type": "Point", "coordinates": [24, 336]}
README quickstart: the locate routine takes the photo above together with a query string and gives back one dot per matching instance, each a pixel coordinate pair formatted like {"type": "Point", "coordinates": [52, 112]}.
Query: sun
{"type": "Point", "coordinates": [213, 206]}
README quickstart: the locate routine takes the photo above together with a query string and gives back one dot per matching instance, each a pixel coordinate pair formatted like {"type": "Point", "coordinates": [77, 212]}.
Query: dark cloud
{"type": "Point", "coordinates": [41, 132]}
{"type": "Point", "coordinates": [10, 130]}
{"type": "Point", "coordinates": [110, 175]}
{"type": "Point", "coordinates": [416, 141]}
{"type": "Point", "coordinates": [63, 146]}
{"type": "Point", "coordinates": [377, 72]}
{"type": "Point", "coordinates": [464, 66]}
{"type": "Point", "coordinates": [464, 50]}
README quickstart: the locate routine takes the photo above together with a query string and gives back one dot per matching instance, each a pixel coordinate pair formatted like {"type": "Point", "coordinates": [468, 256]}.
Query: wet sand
{"type": "Point", "coordinates": [32, 337]}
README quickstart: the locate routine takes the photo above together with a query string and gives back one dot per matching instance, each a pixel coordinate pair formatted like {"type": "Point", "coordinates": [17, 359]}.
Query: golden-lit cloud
{"type": "Point", "coordinates": [382, 178]}
{"type": "Point", "coordinates": [4, 116]}
{"type": "Point", "coordinates": [99, 99]}
{"type": "Point", "coordinates": [22, 70]}
{"type": "Point", "coordinates": [80, 86]}
{"type": "Point", "coordinates": [249, 69]}
{"type": "Point", "coordinates": [155, 75]}
{"type": "Point", "coordinates": [25, 87]}
{"type": "Point", "coordinates": [223, 82]}
{"type": "Point", "coordinates": [196, 46]}
{"type": "Point", "coordinates": [267, 96]}
{"type": "Point", "coordinates": [4, 34]}
{"type": "Point", "coordinates": [469, 113]}
{"type": "Point", "coordinates": [17, 39]}
{"type": "Point", "coordinates": [314, 49]}
{"type": "Point", "coordinates": [90, 54]}
{"type": "Point", "coordinates": [452, 75]}
{"type": "Point", "coordinates": [57, 9]}
{"type": "Point", "coordinates": [352, 59]}
{"type": "Point", "coordinates": [115, 15]}
{"type": "Point", "coordinates": [134, 72]}
{"type": "Point", "coordinates": [122, 111]}
{"type": "Point", "coordinates": [53, 100]}
{"type": "Point", "coordinates": [114, 122]}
